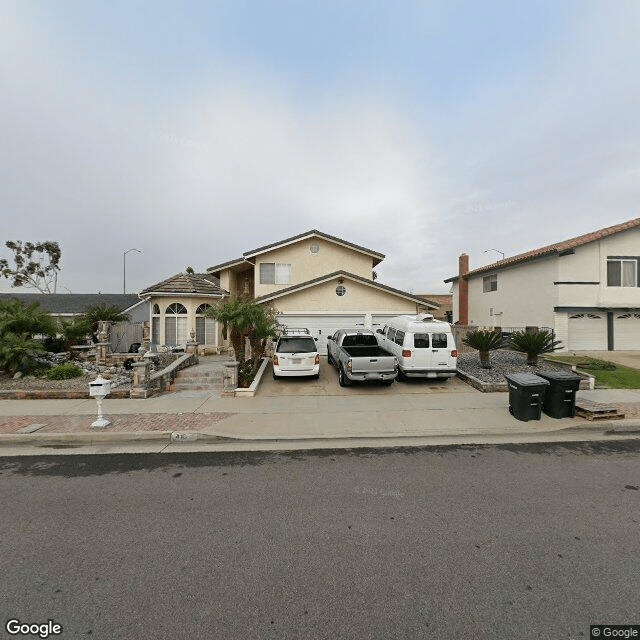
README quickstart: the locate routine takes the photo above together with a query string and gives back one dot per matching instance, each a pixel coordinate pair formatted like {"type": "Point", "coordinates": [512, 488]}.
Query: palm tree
{"type": "Point", "coordinates": [17, 351]}
{"type": "Point", "coordinates": [484, 342]}
{"type": "Point", "coordinates": [19, 319]}
{"type": "Point", "coordinates": [263, 325]}
{"type": "Point", "coordinates": [235, 319]}
{"type": "Point", "coordinates": [533, 344]}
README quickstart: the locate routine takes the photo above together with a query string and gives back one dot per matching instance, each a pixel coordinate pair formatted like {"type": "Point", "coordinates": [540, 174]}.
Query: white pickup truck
{"type": "Point", "coordinates": [358, 357]}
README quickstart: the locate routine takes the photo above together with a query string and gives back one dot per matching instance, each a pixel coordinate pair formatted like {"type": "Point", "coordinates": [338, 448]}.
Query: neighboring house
{"type": "Point", "coordinates": [64, 306]}
{"type": "Point", "coordinates": [445, 300]}
{"type": "Point", "coordinates": [586, 288]}
{"type": "Point", "coordinates": [313, 280]}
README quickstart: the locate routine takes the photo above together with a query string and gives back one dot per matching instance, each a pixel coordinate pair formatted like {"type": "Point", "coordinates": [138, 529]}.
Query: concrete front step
{"type": "Point", "coordinates": [199, 379]}
{"type": "Point", "coordinates": [196, 387]}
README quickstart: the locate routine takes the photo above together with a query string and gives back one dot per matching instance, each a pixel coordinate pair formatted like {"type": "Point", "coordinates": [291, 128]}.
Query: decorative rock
{"type": "Point", "coordinates": [17, 375]}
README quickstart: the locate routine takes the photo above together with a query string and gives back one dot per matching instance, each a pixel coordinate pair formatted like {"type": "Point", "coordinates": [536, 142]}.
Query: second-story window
{"type": "Point", "coordinates": [490, 283]}
{"type": "Point", "coordinates": [622, 272]}
{"type": "Point", "coordinates": [275, 273]}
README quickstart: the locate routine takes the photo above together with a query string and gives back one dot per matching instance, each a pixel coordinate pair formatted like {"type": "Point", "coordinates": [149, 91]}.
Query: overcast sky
{"type": "Point", "coordinates": [195, 131]}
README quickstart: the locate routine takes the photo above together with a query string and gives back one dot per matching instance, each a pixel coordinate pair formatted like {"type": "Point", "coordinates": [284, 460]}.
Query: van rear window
{"type": "Point", "coordinates": [439, 340]}
{"type": "Point", "coordinates": [421, 340]}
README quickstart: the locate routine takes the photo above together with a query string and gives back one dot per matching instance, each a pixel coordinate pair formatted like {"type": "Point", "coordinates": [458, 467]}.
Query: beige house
{"type": "Point", "coordinates": [313, 280]}
{"type": "Point", "coordinates": [587, 289]}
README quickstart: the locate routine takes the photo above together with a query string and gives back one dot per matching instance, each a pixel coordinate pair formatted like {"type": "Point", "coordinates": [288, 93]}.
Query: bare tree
{"type": "Point", "coordinates": [36, 265]}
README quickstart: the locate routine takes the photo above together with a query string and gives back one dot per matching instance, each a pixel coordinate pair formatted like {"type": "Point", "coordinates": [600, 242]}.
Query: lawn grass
{"type": "Point", "coordinates": [606, 374]}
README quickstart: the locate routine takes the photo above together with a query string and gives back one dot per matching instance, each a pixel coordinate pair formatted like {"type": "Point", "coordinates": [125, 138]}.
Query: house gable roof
{"type": "Point", "coordinates": [554, 249]}
{"type": "Point", "coordinates": [350, 276]}
{"type": "Point", "coordinates": [248, 255]}
{"type": "Point", "coordinates": [187, 284]}
{"type": "Point", "coordinates": [74, 303]}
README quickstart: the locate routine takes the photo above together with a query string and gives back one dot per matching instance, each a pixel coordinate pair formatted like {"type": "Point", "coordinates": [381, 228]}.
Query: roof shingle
{"type": "Point", "coordinates": [187, 283]}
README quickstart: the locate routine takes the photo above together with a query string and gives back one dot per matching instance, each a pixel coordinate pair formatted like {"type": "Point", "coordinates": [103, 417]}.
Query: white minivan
{"type": "Point", "coordinates": [424, 347]}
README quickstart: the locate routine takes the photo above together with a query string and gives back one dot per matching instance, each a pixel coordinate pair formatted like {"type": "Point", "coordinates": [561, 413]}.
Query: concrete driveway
{"type": "Point", "coordinates": [327, 385]}
{"type": "Point", "coordinates": [624, 358]}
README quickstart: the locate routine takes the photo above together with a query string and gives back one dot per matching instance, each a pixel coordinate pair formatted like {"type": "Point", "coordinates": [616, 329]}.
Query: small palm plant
{"type": "Point", "coordinates": [533, 344]}
{"type": "Point", "coordinates": [17, 352]}
{"type": "Point", "coordinates": [484, 341]}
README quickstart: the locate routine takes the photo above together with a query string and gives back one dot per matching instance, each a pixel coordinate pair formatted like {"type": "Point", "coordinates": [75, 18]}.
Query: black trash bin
{"type": "Point", "coordinates": [560, 400]}
{"type": "Point", "coordinates": [526, 395]}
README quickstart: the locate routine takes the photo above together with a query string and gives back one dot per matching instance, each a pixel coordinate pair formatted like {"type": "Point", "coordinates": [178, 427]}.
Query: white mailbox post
{"type": "Point", "coordinates": [99, 389]}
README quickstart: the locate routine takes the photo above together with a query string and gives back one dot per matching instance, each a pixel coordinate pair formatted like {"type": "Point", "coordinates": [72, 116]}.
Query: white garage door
{"type": "Point", "coordinates": [588, 332]}
{"type": "Point", "coordinates": [322, 326]}
{"type": "Point", "coordinates": [626, 331]}
{"type": "Point", "coordinates": [378, 320]}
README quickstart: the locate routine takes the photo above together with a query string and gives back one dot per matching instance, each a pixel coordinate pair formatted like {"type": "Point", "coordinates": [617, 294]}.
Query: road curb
{"type": "Point", "coordinates": [631, 427]}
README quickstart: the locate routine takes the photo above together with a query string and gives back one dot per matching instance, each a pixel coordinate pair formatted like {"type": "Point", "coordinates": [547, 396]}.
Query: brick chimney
{"type": "Point", "coordinates": [463, 289]}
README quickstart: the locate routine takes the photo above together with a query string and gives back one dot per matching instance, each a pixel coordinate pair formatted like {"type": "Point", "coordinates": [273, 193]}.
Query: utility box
{"type": "Point", "coordinates": [560, 400]}
{"type": "Point", "coordinates": [526, 395]}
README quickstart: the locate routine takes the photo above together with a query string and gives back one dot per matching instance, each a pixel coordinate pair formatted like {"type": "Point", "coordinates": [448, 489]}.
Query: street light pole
{"type": "Point", "coordinates": [124, 268]}
{"type": "Point", "coordinates": [496, 250]}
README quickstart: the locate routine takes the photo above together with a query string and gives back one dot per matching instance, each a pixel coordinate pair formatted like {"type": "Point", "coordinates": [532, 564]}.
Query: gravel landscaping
{"type": "Point", "coordinates": [120, 378]}
{"type": "Point", "coordinates": [502, 361]}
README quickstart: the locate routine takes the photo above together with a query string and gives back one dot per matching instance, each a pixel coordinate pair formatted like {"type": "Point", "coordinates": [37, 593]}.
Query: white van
{"type": "Point", "coordinates": [424, 347]}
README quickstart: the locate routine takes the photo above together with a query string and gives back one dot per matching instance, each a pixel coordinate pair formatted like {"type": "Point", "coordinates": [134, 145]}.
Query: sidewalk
{"type": "Point", "coordinates": [201, 421]}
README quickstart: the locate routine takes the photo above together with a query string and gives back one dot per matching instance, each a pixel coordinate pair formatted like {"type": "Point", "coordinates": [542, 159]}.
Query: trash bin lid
{"type": "Point", "coordinates": [526, 380]}
{"type": "Point", "coordinates": [558, 376]}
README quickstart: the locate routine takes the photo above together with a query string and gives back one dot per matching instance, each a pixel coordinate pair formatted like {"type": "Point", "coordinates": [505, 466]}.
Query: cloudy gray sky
{"type": "Point", "coordinates": [195, 131]}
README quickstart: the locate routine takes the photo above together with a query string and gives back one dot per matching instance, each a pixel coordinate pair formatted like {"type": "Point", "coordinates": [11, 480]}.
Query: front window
{"type": "Point", "coordinates": [175, 324]}
{"type": "Point", "coordinates": [490, 283]}
{"type": "Point", "coordinates": [275, 273]}
{"type": "Point", "coordinates": [622, 272]}
{"type": "Point", "coordinates": [205, 326]}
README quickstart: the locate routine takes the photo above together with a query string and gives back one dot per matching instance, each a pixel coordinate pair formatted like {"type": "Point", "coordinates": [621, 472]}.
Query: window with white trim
{"type": "Point", "coordinates": [490, 283]}
{"type": "Point", "coordinates": [175, 325]}
{"type": "Point", "coordinates": [275, 273]}
{"type": "Point", "coordinates": [622, 272]}
{"type": "Point", "coordinates": [205, 326]}
{"type": "Point", "coordinates": [155, 325]}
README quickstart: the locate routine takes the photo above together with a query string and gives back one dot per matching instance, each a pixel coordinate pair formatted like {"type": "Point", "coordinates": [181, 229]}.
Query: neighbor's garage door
{"type": "Point", "coordinates": [322, 326]}
{"type": "Point", "coordinates": [626, 331]}
{"type": "Point", "coordinates": [588, 332]}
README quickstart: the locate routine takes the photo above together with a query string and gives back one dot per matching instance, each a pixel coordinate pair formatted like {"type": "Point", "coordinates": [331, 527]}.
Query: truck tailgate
{"type": "Point", "coordinates": [377, 364]}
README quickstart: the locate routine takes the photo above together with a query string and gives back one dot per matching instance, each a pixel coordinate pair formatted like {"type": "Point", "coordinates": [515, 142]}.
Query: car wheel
{"type": "Point", "coordinates": [401, 376]}
{"type": "Point", "coordinates": [388, 383]}
{"type": "Point", "coordinates": [316, 376]}
{"type": "Point", "coordinates": [342, 378]}
{"type": "Point", "coordinates": [329, 359]}
{"type": "Point", "coordinates": [275, 377]}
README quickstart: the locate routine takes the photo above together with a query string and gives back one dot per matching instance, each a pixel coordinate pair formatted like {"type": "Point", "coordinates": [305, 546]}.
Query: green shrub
{"type": "Point", "coordinates": [38, 369]}
{"type": "Point", "coordinates": [484, 341]}
{"type": "Point", "coordinates": [64, 371]}
{"type": "Point", "coordinates": [17, 352]}
{"type": "Point", "coordinates": [533, 344]}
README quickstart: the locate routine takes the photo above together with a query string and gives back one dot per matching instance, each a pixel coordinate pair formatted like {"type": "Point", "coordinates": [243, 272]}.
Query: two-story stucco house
{"type": "Point", "coordinates": [313, 280]}
{"type": "Point", "coordinates": [586, 288]}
